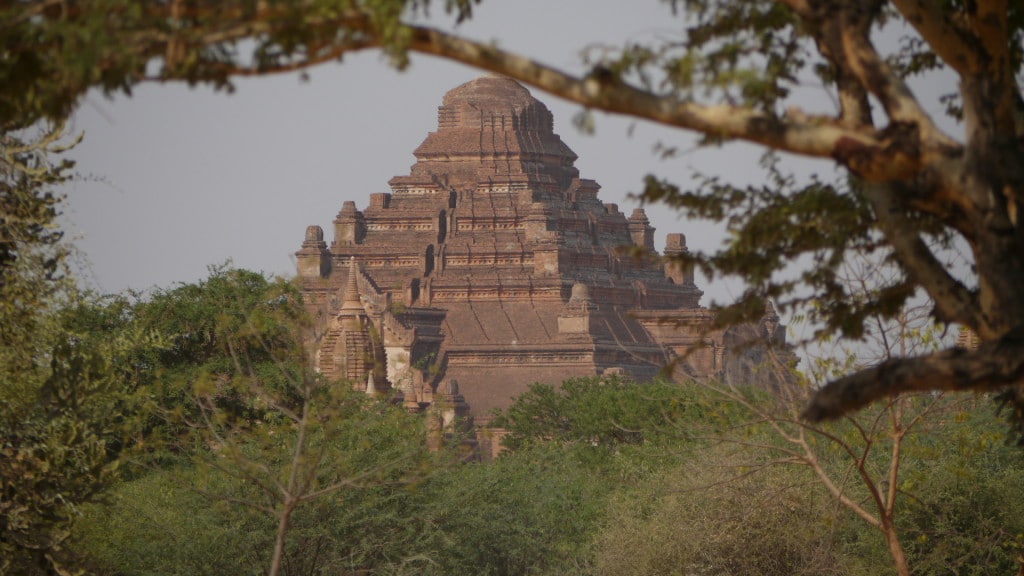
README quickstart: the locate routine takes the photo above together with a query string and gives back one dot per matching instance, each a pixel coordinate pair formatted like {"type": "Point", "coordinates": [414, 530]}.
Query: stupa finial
{"type": "Point", "coordinates": [351, 301]}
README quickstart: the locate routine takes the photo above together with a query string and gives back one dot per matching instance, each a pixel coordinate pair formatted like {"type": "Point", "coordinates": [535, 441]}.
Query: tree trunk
{"type": "Point", "coordinates": [282, 531]}
{"type": "Point", "coordinates": [892, 540]}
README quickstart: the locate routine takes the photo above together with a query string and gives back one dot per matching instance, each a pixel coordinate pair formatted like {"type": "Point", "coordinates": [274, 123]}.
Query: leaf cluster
{"type": "Point", "coordinates": [63, 407]}
{"type": "Point", "coordinates": [31, 253]}
{"type": "Point", "coordinates": [54, 52]}
{"type": "Point", "coordinates": [599, 413]}
{"type": "Point", "coordinates": [221, 338]}
{"type": "Point", "coordinates": [792, 244]}
{"type": "Point", "coordinates": [61, 453]}
{"type": "Point", "coordinates": [744, 53]}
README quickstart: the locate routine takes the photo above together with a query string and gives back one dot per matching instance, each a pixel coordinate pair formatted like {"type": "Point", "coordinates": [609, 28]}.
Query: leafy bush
{"type": "Point", "coordinates": [601, 412]}
{"type": "Point", "coordinates": [709, 518]}
{"type": "Point", "coordinates": [531, 512]}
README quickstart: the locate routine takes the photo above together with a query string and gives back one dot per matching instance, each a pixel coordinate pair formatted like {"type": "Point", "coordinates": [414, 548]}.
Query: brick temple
{"type": "Point", "coordinates": [493, 265]}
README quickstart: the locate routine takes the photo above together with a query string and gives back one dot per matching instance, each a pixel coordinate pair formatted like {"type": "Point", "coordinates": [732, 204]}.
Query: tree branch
{"type": "Point", "coordinates": [949, 41]}
{"type": "Point", "coordinates": [823, 25]}
{"type": "Point", "coordinates": [877, 76]}
{"type": "Point", "coordinates": [953, 301]}
{"type": "Point", "coordinates": [875, 155]}
{"type": "Point", "coordinates": [991, 28]}
{"type": "Point", "coordinates": [992, 366]}
{"type": "Point", "coordinates": [837, 492]}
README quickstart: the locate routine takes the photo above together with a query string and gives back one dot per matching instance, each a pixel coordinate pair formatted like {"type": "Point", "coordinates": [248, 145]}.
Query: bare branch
{"type": "Point", "coordinates": [895, 454]}
{"type": "Point", "coordinates": [353, 481]}
{"type": "Point", "coordinates": [838, 493]}
{"type": "Point", "coordinates": [825, 26]}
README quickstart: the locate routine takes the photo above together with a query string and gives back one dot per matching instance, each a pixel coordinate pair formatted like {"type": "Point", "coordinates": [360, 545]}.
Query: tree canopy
{"type": "Point", "coordinates": [913, 191]}
{"type": "Point", "coordinates": [64, 411]}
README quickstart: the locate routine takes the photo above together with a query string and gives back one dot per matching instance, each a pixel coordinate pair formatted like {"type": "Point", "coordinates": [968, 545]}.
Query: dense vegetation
{"type": "Point", "coordinates": [201, 405]}
{"type": "Point", "coordinates": [184, 432]}
{"type": "Point", "coordinates": [601, 477]}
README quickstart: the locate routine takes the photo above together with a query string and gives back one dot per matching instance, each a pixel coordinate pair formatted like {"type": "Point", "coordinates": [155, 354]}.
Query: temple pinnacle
{"type": "Point", "coordinates": [351, 302]}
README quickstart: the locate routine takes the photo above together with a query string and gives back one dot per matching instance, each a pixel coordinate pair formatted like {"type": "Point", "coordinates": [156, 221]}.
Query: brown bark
{"type": "Point", "coordinates": [892, 542]}
{"type": "Point", "coordinates": [279, 538]}
{"type": "Point", "coordinates": [992, 366]}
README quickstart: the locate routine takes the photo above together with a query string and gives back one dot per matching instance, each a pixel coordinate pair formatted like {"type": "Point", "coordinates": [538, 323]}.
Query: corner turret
{"type": "Point", "coordinates": [313, 260]}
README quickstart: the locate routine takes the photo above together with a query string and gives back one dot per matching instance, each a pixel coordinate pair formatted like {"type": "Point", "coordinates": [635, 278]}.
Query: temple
{"type": "Point", "coordinates": [493, 265]}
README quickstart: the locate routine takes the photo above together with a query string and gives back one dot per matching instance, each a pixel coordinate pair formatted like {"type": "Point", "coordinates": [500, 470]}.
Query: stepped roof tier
{"type": "Point", "coordinates": [494, 264]}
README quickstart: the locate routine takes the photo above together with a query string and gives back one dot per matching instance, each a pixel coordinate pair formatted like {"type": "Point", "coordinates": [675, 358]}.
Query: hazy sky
{"type": "Point", "coordinates": [176, 179]}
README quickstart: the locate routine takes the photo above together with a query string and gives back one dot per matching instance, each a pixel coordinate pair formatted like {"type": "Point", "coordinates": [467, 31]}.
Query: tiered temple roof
{"type": "Point", "coordinates": [494, 264]}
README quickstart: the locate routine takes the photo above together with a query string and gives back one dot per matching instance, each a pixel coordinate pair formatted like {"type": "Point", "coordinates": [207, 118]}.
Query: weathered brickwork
{"type": "Point", "coordinates": [494, 265]}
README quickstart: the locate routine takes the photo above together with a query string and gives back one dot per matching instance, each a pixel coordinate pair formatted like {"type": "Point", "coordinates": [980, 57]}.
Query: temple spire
{"type": "Point", "coordinates": [351, 302]}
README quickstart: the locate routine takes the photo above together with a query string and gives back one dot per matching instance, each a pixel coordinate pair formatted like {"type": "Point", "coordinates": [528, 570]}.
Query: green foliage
{"type": "Point", "coordinates": [956, 483]}
{"type": "Point", "coordinates": [772, 226]}
{"type": "Point", "coordinates": [232, 312]}
{"type": "Point", "coordinates": [655, 502]}
{"type": "Point", "coordinates": [749, 53]}
{"type": "Point", "coordinates": [964, 510]}
{"type": "Point", "coordinates": [531, 512]}
{"type": "Point", "coordinates": [54, 53]}
{"type": "Point", "coordinates": [600, 413]}
{"type": "Point", "coordinates": [229, 338]}
{"type": "Point", "coordinates": [155, 525]}
{"type": "Point", "coordinates": [236, 414]}
{"type": "Point", "coordinates": [751, 504]}
{"type": "Point", "coordinates": [211, 517]}
{"type": "Point", "coordinates": [31, 255]}
{"type": "Point", "coordinates": [65, 412]}
{"type": "Point", "coordinates": [709, 517]}
{"type": "Point", "coordinates": [57, 455]}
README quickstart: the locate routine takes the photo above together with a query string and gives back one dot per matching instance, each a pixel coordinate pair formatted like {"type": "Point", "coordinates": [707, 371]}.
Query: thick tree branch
{"type": "Point", "coordinates": [899, 102]}
{"type": "Point", "coordinates": [991, 28]}
{"type": "Point", "coordinates": [953, 301]}
{"type": "Point", "coordinates": [951, 42]}
{"type": "Point", "coordinates": [822, 24]}
{"type": "Point", "coordinates": [875, 155]}
{"type": "Point", "coordinates": [994, 365]}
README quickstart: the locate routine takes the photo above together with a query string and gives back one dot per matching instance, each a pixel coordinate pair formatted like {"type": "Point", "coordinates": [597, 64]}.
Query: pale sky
{"type": "Point", "coordinates": [176, 179]}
